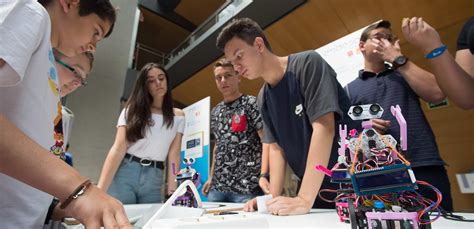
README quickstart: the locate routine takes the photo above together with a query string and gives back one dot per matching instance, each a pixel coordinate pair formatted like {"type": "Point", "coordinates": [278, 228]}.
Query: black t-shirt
{"type": "Point", "coordinates": [466, 36]}
{"type": "Point", "coordinates": [239, 150]}
{"type": "Point", "coordinates": [307, 91]}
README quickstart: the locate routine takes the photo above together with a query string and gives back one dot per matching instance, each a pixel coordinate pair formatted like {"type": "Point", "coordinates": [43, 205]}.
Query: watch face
{"type": "Point", "coordinates": [401, 60]}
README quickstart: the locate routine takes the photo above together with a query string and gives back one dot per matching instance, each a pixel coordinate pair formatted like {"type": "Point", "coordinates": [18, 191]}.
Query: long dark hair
{"type": "Point", "coordinates": [138, 115]}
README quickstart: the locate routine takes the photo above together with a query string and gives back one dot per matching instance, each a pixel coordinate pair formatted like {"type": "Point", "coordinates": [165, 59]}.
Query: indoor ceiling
{"type": "Point", "coordinates": [163, 35]}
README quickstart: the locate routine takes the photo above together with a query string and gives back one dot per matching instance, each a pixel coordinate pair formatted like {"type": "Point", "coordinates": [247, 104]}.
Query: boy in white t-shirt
{"type": "Point", "coordinates": [29, 108]}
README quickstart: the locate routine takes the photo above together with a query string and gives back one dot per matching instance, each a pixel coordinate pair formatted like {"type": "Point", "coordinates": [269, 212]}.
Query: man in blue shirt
{"type": "Point", "coordinates": [300, 102]}
{"type": "Point", "coordinates": [402, 83]}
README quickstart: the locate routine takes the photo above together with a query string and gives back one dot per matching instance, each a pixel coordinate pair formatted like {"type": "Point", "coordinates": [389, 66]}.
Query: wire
{"type": "Point", "coordinates": [327, 190]}
{"type": "Point", "coordinates": [432, 204]}
{"type": "Point", "coordinates": [359, 139]}
{"type": "Point", "coordinates": [393, 148]}
{"type": "Point", "coordinates": [451, 216]}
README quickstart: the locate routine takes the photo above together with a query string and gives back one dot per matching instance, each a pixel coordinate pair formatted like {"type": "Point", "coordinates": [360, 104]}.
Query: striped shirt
{"type": "Point", "coordinates": [389, 88]}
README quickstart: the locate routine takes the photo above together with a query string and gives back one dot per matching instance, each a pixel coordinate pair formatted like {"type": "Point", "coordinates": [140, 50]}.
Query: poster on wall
{"type": "Point", "coordinates": [344, 56]}
{"type": "Point", "coordinates": [195, 142]}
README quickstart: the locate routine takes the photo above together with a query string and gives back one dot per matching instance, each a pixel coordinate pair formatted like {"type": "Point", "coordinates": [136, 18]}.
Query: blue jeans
{"type": "Point", "coordinates": [137, 184]}
{"type": "Point", "coordinates": [216, 196]}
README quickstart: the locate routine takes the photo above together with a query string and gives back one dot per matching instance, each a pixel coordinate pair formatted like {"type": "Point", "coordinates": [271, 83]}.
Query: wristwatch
{"type": "Point", "coordinates": [399, 61]}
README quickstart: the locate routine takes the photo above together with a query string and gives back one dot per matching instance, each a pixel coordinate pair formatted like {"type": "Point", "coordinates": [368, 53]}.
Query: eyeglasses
{"type": "Point", "coordinates": [79, 77]}
{"type": "Point", "coordinates": [390, 37]}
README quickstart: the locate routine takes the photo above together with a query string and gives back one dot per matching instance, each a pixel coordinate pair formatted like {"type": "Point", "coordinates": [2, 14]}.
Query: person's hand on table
{"type": "Point", "coordinates": [251, 205]}
{"type": "Point", "coordinates": [282, 205]}
{"type": "Point", "coordinates": [95, 209]}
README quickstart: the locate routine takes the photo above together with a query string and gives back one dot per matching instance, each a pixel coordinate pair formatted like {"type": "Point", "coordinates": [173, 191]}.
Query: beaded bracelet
{"type": "Point", "coordinates": [436, 52]}
{"type": "Point", "coordinates": [77, 192]}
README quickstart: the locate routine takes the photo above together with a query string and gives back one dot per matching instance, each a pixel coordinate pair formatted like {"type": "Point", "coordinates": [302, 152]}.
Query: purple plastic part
{"type": "Point", "coordinates": [401, 216]}
{"type": "Point", "coordinates": [367, 124]}
{"type": "Point", "coordinates": [342, 135]}
{"type": "Point", "coordinates": [188, 199]}
{"type": "Point", "coordinates": [394, 154]}
{"type": "Point", "coordinates": [397, 112]}
{"type": "Point", "coordinates": [174, 169]}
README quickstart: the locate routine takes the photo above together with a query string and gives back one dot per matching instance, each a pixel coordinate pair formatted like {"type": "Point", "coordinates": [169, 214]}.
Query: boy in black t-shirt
{"type": "Point", "coordinates": [299, 102]}
{"type": "Point", "coordinates": [237, 125]}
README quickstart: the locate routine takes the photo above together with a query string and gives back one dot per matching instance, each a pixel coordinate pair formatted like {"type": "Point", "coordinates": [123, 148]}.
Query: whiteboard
{"type": "Point", "coordinates": [344, 56]}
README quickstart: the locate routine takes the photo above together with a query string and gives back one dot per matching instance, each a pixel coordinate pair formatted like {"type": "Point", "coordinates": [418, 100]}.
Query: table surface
{"type": "Point", "coordinates": [316, 218]}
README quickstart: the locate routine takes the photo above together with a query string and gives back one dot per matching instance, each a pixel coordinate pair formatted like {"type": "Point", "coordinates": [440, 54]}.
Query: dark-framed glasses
{"type": "Point", "coordinates": [389, 36]}
{"type": "Point", "coordinates": [79, 77]}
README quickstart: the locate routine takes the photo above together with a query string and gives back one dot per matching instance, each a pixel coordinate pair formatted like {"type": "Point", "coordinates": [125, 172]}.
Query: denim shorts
{"type": "Point", "coordinates": [137, 184]}
{"type": "Point", "coordinates": [216, 196]}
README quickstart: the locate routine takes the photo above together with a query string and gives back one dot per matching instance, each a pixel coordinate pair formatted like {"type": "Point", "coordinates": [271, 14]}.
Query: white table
{"type": "Point", "coordinates": [325, 218]}
{"type": "Point", "coordinates": [317, 218]}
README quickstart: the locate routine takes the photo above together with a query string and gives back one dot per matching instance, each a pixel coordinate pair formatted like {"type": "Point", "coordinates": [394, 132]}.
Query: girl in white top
{"type": "Point", "coordinates": [149, 131]}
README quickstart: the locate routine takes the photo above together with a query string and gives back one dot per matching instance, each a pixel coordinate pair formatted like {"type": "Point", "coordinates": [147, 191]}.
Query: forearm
{"type": "Point", "coordinates": [265, 158]}
{"type": "Point", "coordinates": [111, 165]}
{"type": "Point", "coordinates": [174, 158]}
{"type": "Point", "coordinates": [213, 162]}
{"type": "Point", "coordinates": [277, 169]}
{"type": "Point", "coordinates": [422, 82]}
{"type": "Point", "coordinates": [44, 171]}
{"type": "Point", "coordinates": [318, 154]}
{"type": "Point", "coordinates": [455, 81]}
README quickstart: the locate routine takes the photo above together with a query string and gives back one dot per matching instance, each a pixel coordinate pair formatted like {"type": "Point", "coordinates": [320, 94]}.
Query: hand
{"type": "Point", "coordinates": [58, 213]}
{"type": "Point", "coordinates": [170, 192]}
{"type": "Point", "coordinates": [288, 205]}
{"type": "Point", "coordinates": [206, 187]}
{"type": "Point", "coordinates": [380, 125]}
{"type": "Point", "coordinates": [251, 205]}
{"type": "Point", "coordinates": [420, 34]}
{"type": "Point", "coordinates": [171, 188]}
{"type": "Point", "coordinates": [264, 185]}
{"type": "Point", "coordinates": [95, 209]}
{"type": "Point", "coordinates": [387, 51]}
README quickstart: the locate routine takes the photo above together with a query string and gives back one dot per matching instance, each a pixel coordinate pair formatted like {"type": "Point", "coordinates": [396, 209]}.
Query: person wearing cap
{"type": "Point", "coordinates": [401, 82]}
